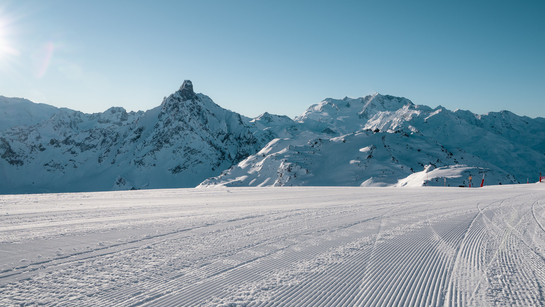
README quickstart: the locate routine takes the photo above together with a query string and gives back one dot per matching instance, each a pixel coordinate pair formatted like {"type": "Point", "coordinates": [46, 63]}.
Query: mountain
{"type": "Point", "coordinates": [364, 158]}
{"type": "Point", "coordinates": [381, 140]}
{"type": "Point", "coordinates": [188, 141]}
{"type": "Point", "coordinates": [180, 143]}
{"type": "Point", "coordinates": [19, 111]}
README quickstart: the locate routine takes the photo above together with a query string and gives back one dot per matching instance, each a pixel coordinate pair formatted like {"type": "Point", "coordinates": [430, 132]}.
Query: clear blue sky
{"type": "Point", "coordinates": [275, 56]}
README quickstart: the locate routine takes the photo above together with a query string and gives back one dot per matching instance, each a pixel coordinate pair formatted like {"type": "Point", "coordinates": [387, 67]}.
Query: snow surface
{"type": "Point", "coordinates": [302, 246]}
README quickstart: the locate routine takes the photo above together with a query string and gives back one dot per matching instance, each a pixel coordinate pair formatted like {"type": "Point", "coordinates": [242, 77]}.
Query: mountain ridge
{"type": "Point", "coordinates": [189, 140]}
{"type": "Point", "coordinates": [187, 134]}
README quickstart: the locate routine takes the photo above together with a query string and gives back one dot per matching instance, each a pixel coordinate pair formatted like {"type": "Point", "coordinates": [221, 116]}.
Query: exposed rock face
{"type": "Point", "coordinates": [186, 90]}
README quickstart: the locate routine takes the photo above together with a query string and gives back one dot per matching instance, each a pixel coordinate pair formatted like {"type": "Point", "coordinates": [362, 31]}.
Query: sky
{"type": "Point", "coordinates": [275, 56]}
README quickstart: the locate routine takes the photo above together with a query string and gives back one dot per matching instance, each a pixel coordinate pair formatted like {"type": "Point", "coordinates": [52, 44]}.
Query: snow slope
{"type": "Point", "coordinates": [303, 246]}
{"type": "Point", "coordinates": [361, 159]}
{"type": "Point", "coordinates": [19, 111]}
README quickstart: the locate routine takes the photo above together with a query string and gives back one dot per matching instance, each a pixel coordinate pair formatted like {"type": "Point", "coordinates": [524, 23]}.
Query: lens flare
{"type": "Point", "coordinates": [42, 59]}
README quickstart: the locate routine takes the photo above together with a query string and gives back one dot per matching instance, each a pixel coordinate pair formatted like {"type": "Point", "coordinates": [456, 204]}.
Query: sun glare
{"type": "Point", "coordinates": [6, 49]}
{"type": "Point", "coordinates": [3, 42]}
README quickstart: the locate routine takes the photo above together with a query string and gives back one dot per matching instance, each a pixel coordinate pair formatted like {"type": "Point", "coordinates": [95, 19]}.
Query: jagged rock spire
{"type": "Point", "coordinates": [186, 90]}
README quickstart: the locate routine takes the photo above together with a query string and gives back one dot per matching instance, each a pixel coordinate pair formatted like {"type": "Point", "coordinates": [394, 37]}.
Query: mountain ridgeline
{"type": "Point", "coordinates": [190, 141]}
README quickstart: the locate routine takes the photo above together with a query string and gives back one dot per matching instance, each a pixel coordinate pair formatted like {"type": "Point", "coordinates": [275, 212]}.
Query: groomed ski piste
{"type": "Point", "coordinates": [301, 246]}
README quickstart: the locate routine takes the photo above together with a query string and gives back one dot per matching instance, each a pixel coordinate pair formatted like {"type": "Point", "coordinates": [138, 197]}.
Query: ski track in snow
{"type": "Point", "coordinates": [312, 246]}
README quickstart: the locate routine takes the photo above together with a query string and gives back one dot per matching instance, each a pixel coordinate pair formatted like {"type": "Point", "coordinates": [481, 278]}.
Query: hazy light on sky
{"type": "Point", "coordinates": [280, 57]}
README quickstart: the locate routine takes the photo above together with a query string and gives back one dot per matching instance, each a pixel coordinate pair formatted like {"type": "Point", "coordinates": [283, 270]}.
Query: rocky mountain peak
{"type": "Point", "coordinates": [186, 90]}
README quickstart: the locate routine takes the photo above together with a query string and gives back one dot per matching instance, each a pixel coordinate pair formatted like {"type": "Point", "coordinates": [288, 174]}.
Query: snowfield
{"type": "Point", "coordinates": [304, 246]}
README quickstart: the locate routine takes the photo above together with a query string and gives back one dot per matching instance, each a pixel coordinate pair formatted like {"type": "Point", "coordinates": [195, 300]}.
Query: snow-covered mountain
{"type": "Point", "coordinates": [377, 140]}
{"type": "Point", "coordinates": [364, 158]}
{"type": "Point", "coordinates": [180, 143]}
{"type": "Point", "coordinates": [389, 141]}
{"type": "Point", "coordinates": [19, 111]}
